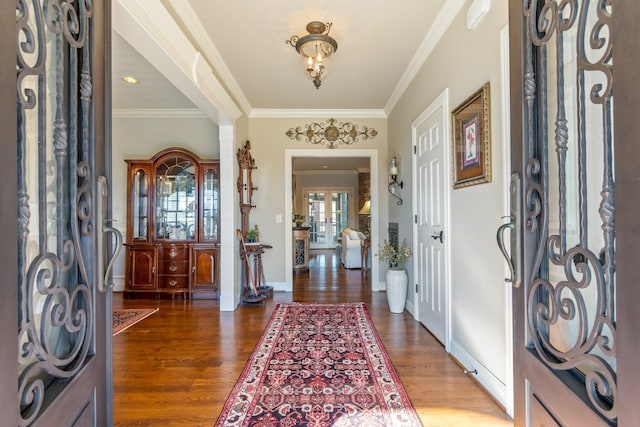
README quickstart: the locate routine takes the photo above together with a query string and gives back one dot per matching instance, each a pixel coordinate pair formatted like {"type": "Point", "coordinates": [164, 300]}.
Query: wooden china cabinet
{"type": "Point", "coordinates": [173, 225]}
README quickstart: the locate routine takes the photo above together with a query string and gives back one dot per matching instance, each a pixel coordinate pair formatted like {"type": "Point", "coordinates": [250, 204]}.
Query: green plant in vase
{"type": "Point", "coordinates": [298, 220]}
{"type": "Point", "coordinates": [396, 259]}
{"type": "Point", "coordinates": [252, 235]}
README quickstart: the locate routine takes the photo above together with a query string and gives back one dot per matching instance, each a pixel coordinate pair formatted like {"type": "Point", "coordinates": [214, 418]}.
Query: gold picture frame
{"type": "Point", "coordinates": [471, 125]}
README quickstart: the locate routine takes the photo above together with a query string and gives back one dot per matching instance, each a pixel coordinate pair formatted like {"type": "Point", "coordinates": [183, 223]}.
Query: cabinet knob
{"type": "Point", "coordinates": [173, 282]}
{"type": "Point", "coordinates": [173, 267]}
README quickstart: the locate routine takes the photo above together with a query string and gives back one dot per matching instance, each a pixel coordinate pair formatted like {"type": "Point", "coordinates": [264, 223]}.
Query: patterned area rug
{"type": "Point", "coordinates": [319, 365]}
{"type": "Point", "coordinates": [126, 317]}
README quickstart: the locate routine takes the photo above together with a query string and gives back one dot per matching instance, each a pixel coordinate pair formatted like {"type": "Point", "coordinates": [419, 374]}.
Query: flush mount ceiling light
{"type": "Point", "coordinates": [315, 48]}
{"type": "Point", "coordinates": [131, 80]}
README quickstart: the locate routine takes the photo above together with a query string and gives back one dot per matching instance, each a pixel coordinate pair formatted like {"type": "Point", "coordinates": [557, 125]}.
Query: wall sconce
{"type": "Point", "coordinates": [393, 183]}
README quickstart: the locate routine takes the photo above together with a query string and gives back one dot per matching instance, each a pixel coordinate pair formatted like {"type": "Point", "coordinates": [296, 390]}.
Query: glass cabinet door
{"type": "Point", "coordinates": [176, 199]}
{"type": "Point", "coordinates": [210, 204]}
{"type": "Point", "coordinates": [140, 204]}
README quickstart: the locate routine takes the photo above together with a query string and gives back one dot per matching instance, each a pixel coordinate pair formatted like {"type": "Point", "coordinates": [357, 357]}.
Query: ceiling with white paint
{"type": "Point", "coordinates": [380, 45]}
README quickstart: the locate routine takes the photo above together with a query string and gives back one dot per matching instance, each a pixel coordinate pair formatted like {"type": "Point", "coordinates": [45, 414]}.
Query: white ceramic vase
{"type": "Point", "coordinates": [396, 289]}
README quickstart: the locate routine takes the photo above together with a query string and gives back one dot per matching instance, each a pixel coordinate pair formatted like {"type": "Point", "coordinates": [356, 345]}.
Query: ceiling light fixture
{"type": "Point", "coordinates": [131, 80]}
{"type": "Point", "coordinates": [315, 49]}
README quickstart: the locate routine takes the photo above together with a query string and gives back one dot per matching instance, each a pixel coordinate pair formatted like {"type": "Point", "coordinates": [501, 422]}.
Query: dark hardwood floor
{"type": "Point", "coordinates": [178, 366]}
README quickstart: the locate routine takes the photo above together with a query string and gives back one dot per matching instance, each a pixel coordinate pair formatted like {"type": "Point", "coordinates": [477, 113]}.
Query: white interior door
{"type": "Point", "coordinates": [430, 139]}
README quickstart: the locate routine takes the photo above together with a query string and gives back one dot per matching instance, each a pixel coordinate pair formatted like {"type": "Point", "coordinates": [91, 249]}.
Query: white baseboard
{"type": "Point", "coordinates": [279, 286]}
{"type": "Point", "coordinates": [409, 307]}
{"type": "Point", "coordinates": [379, 286]}
{"type": "Point", "coordinates": [490, 382]}
{"type": "Point", "coordinates": [118, 283]}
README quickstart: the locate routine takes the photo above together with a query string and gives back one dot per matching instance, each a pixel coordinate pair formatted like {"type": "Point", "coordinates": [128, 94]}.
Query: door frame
{"type": "Point", "coordinates": [506, 209]}
{"type": "Point", "coordinates": [626, 110]}
{"type": "Point", "coordinates": [440, 101]}
{"type": "Point", "coordinates": [289, 155]}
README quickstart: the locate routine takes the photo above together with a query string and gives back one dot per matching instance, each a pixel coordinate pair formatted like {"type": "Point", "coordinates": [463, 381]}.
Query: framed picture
{"type": "Point", "coordinates": [471, 125]}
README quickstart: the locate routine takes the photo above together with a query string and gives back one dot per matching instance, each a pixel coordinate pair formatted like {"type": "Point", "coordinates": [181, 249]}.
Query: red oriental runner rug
{"type": "Point", "coordinates": [319, 365]}
{"type": "Point", "coordinates": [123, 318]}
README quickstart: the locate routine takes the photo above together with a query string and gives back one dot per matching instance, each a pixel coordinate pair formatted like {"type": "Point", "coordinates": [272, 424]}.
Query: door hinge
{"type": "Point", "coordinates": [415, 151]}
{"type": "Point", "coordinates": [416, 288]}
{"type": "Point", "coordinates": [415, 218]}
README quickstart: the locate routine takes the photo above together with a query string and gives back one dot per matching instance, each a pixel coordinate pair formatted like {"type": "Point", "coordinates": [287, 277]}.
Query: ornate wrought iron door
{"type": "Point", "coordinates": [63, 337]}
{"type": "Point", "coordinates": [566, 342]}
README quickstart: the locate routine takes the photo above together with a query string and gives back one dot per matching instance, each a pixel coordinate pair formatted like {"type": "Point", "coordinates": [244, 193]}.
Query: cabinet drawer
{"type": "Point", "coordinates": [173, 282]}
{"type": "Point", "coordinates": [174, 267]}
{"type": "Point", "coordinates": [174, 253]}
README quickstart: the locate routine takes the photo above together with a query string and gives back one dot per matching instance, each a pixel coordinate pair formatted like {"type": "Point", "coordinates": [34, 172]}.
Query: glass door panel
{"type": "Point", "coordinates": [317, 219]}
{"type": "Point", "coordinates": [176, 199]}
{"type": "Point", "coordinates": [328, 213]}
{"type": "Point", "coordinates": [210, 204]}
{"type": "Point", "coordinates": [140, 204]}
{"type": "Point", "coordinates": [340, 209]}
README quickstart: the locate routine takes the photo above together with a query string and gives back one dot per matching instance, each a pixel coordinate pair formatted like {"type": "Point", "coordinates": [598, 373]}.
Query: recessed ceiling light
{"type": "Point", "coordinates": [131, 80]}
{"type": "Point", "coordinates": [325, 166]}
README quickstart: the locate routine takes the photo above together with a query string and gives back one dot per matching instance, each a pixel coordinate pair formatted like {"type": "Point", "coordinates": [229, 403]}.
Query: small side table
{"type": "Point", "coordinates": [364, 252]}
{"type": "Point", "coordinates": [300, 249]}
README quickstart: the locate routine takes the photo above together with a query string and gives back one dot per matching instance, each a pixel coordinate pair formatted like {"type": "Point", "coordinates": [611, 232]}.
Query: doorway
{"type": "Point", "coordinates": [289, 192]}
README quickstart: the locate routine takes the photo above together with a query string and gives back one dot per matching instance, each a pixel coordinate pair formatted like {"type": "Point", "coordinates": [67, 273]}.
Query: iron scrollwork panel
{"type": "Point", "coordinates": [569, 191]}
{"type": "Point", "coordinates": [55, 196]}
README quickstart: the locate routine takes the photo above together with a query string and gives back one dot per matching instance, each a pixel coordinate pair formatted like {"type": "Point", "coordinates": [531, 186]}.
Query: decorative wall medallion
{"type": "Point", "coordinates": [331, 133]}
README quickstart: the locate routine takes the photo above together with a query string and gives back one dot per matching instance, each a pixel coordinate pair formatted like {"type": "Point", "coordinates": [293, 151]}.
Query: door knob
{"type": "Point", "coordinates": [438, 236]}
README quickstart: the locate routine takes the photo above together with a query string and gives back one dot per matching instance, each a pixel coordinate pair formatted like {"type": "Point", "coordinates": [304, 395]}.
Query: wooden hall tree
{"type": "Point", "coordinates": [574, 108]}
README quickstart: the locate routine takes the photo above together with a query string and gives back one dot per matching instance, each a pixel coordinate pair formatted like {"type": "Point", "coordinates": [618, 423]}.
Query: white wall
{"type": "Point", "coordinates": [463, 61]}
{"type": "Point", "coordinates": [141, 138]}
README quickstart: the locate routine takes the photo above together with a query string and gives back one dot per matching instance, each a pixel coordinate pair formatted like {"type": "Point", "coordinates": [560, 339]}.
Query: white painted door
{"type": "Point", "coordinates": [430, 139]}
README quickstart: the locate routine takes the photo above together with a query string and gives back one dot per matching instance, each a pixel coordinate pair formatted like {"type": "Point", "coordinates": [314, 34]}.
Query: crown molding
{"type": "Point", "coordinates": [266, 113]}
{"type": "Point", "coordinates": [441, 24]}
{"type": "Point", "coordinates": [325, 172]}
{"type": "Point", "coordinates": [192, 22]}
{"type": "Point", "coordinates": [156, 113]}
